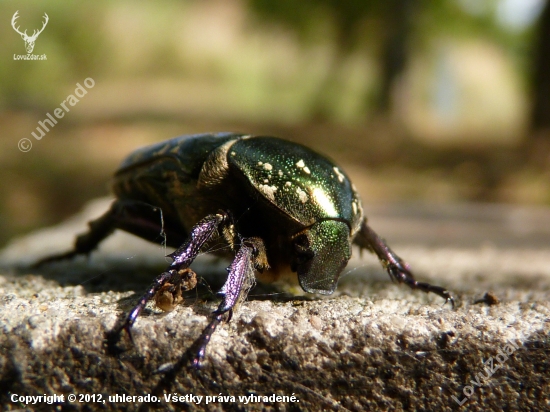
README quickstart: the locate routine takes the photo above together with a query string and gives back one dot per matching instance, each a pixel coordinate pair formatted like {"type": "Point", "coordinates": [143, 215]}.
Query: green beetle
{"type": "Point", "coordinates": [281, 207]}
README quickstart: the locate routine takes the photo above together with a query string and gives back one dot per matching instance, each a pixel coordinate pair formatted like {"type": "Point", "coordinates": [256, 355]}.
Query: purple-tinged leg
{"type": "Point", "coordinates": [396, 267]}
{"type": "Point", "coordinates": [250, 256]}
{"type": "Point", "coordinates": [201, 233]}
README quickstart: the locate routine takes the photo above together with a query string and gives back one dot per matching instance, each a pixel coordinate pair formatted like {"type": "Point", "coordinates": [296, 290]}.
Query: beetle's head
{"type": "Point", "coordinates": [320, 253]}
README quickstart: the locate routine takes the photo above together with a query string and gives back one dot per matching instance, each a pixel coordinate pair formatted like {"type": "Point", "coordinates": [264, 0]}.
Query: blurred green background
{"type": "Point", "coordinates": [420, 101]}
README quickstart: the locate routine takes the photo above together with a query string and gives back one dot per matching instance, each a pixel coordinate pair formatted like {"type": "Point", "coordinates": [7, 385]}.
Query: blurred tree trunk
{"type": "Point", "coordinates": [540, 119]}
{"type": "Point", "coordinates": [395, 55]}
{"type": "Point", "coordinates": [397, 17]}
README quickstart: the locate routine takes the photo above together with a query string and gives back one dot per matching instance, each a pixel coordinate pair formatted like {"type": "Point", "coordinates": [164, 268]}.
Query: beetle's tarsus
{"type": "Point", "coordinates": [396, 267]}
{"type": "Point", "coordinates": [403, 275]}
{"type": "Point", "coordinates": [204, 339]}
{"type": "Point", "coordinates": [249, 257]}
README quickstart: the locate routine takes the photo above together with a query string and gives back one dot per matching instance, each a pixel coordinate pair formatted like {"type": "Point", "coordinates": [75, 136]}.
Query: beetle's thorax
{"type": "Point", "coordinates": [300, 183]}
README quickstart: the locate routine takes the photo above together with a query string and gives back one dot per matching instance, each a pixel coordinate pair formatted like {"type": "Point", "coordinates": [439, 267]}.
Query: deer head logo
{"type": "Point", "coordinates": [29, 40]}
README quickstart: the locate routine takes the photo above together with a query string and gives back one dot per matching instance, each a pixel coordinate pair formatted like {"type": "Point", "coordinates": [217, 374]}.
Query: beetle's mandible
{"type": "Point", "coordinates": [281, 207]}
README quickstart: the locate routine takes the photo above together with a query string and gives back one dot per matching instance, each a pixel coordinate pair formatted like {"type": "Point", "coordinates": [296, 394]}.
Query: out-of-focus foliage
{"type": "Point", "coordinates": [282, 62]}
{"type": "Point", "coordinates": [423, 99]}
{"type": "Point", "coordinates": [71, 39]}
{"type": "Point", "coordinates": [391, 30]}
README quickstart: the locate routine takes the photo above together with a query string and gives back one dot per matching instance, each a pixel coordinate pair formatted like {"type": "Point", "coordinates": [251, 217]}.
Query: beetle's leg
{"type": "Point", "coordinates": [201, 233]}
{"type": "Point", "coordinates": [86, 242]}
{"type": "Point", "coordinates": [139, 218]}
{"type": "Point", "coordinates": [396, 267]}
{"type": "Point", "coordinates": [250, 256]}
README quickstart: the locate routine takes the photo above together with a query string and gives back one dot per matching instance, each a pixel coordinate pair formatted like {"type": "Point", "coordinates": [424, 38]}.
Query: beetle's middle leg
{"type": "Point", "coordinates": [396, 267]}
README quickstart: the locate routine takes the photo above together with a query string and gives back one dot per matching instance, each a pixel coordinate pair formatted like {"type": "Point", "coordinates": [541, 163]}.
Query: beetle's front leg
{"type": "Point", "coordinates": [250, 256]}
{"type": "Point", "coordinates": [396, 267]}
{"type": "Point", "coordinates": [201, 233]}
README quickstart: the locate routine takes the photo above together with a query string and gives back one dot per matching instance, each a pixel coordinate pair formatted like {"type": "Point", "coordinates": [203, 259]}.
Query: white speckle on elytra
{"type": "Point", "coordinates": [268, 166]}
{"type": "Point", "coordinates": [341, 177]}
{"type": "Point", "coordinates": [300, 163]}
{"type": "Point", "coordinates": [266, 180]}
{"type": "Point", "coordinates": [268, 191]}
{"type": "Point", "coordinates": [288, 184]}
{"type": "Point", "coordinates": [302, 195]}
{"type": "Point", "coordinates": [306, 169]}
{"type": "Point", "coordinates": [233, 153]}
{"type": "Point", "coordinates": [260, 163]}
{"type": "Point", "coordinates": [280, 172]}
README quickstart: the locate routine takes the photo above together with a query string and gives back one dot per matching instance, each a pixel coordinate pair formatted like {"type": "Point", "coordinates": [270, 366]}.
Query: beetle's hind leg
{"type": "Point", "coordinates": [139, 218]}
{"type": "Point", "coordinates": [86, 242]}
{"type": "Point", "coordinates": [396, 267]}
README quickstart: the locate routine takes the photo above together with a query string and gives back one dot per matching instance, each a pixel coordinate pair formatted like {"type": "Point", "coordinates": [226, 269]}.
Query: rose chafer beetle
{"type": "Point", "coordinates": [281, 207]}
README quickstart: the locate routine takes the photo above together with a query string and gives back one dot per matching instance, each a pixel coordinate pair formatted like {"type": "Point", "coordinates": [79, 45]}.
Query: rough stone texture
{"type": "Point", "coordinates": [373, 345]}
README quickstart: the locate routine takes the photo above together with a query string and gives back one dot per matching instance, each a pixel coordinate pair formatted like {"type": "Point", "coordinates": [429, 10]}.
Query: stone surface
{"type": "Point", "coordinates": [372, 345]}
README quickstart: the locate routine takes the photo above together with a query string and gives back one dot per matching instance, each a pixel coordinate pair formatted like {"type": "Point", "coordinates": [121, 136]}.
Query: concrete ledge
{"type": "Point", "coordinates": [373, 345]}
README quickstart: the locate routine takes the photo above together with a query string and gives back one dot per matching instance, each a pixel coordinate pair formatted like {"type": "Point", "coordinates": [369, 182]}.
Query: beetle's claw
{"type": "Point", "coordinates": [444, 293]}
{"type": "Point", "coordinates": [130, 336]}
{"type": "Point", "coordinates": [449, 299]}
{"type": "Point", "coordinates": [126, 327]}
{"type": "Point", "coordinates": [452, 302]}
{"type": "Point", "coordinates": [399, 271]}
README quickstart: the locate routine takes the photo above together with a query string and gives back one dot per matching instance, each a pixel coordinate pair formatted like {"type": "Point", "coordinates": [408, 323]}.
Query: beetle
{"type": "Point", "coordinates": [281, 207]}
